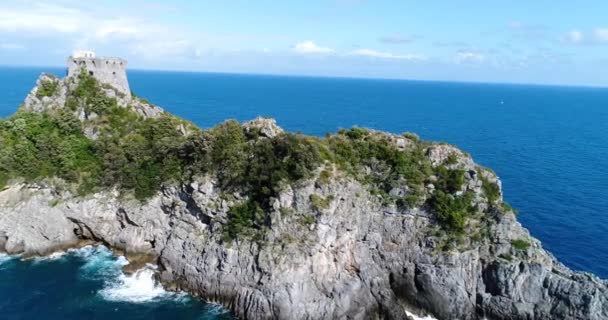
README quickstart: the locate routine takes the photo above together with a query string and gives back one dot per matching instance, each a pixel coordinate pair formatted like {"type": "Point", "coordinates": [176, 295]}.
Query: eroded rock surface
{"type": "Point", "coordinates": [355, 259]}
{"type": "Point", "coordinates": [56, 99]}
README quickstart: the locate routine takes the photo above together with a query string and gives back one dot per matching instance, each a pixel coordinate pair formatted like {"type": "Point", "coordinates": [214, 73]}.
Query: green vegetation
{"type": "Point", "coordinates": [507, 208]}
{"type": "Point", "coordinates": [507, 257]}
{"type": "Point", "coordinates": [35, 145]}
{"type": "Point", "coordinates": [325, 177]}
{"type": "Point", "coordinates": [244, 218]}
{"type": "Point", "coordinates": [89, 95]}
{"type": "Point", "coordinates": [452, 159]}
{"type": "Point", "coordinates": [411, 136]}
{"type": "Point", "coordinates": [390, 167]}
{"type": "Point", "coordinates": [308, 219]}
{"type": "Point", "coordinates": [355, 133]}
{"type": "Point", "coordinates": [520, 244]}
{"type": "Point", "coordinates": [48, 88]}
{"type": "Point", "coordinates": [491, 190]}
{"type": "Point", "coordinates": [131, 152]}
{"type": "Point", "coordinates": [320, 203]}
{"type": "Point", "coordinates": [449, 181]}
{"type": "Point", "coordinates": [138, 155]}
{"type": "Point", "coordinates": [451, 211]}
{"type": "Point", "coordinates": [3, 179]}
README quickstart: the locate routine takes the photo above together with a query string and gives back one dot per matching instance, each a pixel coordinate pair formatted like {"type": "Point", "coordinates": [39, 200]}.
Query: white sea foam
{"type": "Point", "coordinates": [137, 288]}
{"type": "Point", "coordinates": [51, 257]}
{"type": "Point", "coordinates": [214, 310]}
{"type": "Point", "coordinates": [99, 262]}
{"type": "Point", "coordinates": [102, 264]}
{"type": "Point", "coordinates": [415, 317]}
{"type": "Point", "coordinates": [5, 258]}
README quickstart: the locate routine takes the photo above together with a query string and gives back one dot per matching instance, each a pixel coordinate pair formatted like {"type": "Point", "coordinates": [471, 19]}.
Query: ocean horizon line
{"type": "Point", "coordinates": [338, 77]}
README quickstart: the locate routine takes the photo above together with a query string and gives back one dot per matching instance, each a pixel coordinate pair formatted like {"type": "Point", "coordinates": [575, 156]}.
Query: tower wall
{"type": "Point", "coordinates": [112, 71]}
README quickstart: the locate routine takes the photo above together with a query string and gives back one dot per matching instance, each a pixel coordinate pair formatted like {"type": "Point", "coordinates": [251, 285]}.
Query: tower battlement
{"type": "Point", "coordinates": [108, 70]}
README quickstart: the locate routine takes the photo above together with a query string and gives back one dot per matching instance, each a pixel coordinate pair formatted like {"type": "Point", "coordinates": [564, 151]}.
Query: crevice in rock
{"type": "Point", "coordinates": [490, 281]}
{"type": "Point", "coordinates": [191, 205]}
{"type": "Point", "coordinates": [122, 213]}
{"type": "Point", "coordinates": [83, 231]}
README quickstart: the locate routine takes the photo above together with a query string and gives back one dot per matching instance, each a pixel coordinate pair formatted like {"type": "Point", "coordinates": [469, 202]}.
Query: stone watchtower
{"type": "Point", "coordinates": [112, 71]}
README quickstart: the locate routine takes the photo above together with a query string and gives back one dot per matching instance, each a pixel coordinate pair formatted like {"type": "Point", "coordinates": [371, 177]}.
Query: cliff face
{"type": "Point", "coordinates": [332, 247]}
{"type": "Point", "coordinates": [355, 259]}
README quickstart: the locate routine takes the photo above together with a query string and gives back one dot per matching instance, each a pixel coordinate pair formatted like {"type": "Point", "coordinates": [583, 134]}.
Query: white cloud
{"type": "Point", "coordinates": [11, 46]}
{"type": "Point", "coordinates": [81, 28]}
{"type": "Point", "coordinates": [594, 37]}
{"type": "Point", "coordinates": [601, 35]}
{"type": "Point", "coordinates": [574, 36]}
{"type": "Point", "coordinates": [41, 18]}
{"type": "Point", "coordinates": [117, 29]}
{"type": "Point", "coordinates": [309, 47]}
{"type": "Point", "coordinates": [386, 55]}
{"type": "Point", "coordinates": [469, 57]}
{"type": "Point", "coordinates": [516, 24]}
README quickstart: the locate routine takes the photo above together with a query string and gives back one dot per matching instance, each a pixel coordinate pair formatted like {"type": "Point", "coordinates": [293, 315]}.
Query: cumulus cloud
{"type": "Point", "coordinates": [463, 57]}
{"type": "Point", "coordinates": [601, 35]}
{"type": "Point", "coordinates": [574, 36]}
{"type": "Point", "coordinates": [597, 36]}
{"type": "Point", "coordinates": [309, 47]}
{"type": "Point", "coordinates": [386, 55]}
{"type": "Point", "coordinates": [41, 18]}
{"type": "Point", "coordinates": [87, 29]}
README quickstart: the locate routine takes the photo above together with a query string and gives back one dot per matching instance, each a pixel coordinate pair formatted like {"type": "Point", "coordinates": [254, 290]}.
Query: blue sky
{"type": "Point", "coordinates": [541, 41]}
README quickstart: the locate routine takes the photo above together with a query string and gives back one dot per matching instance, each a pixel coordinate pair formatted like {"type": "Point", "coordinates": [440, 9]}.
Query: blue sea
{"type": "Point", "coordinates": [548, 144]}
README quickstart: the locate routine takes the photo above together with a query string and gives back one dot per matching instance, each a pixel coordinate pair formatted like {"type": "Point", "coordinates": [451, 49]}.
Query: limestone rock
{"type": "Point", "coordinates": [355, 261]}
{"type": "Point", "coordinates": [36, 103]}
{"type": "Point", "coordinates": [265, 127]}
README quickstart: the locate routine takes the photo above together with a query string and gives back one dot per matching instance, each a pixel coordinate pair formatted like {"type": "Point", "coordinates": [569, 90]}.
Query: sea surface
{"type": "Point", "coordinates": [548, 144]}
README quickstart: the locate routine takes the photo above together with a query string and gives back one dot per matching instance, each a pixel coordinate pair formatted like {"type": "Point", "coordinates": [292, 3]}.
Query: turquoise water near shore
{"type": "Point", "coordinates": [548, 144]}
{"type": "Point", "coordinates": [88, 283]}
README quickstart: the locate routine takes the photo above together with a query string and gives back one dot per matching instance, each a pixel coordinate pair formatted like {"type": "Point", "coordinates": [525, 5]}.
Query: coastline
{"type": "Point", "coordinates": [178, 274]}
{"type": "Point", "coordinates": [394, 224]}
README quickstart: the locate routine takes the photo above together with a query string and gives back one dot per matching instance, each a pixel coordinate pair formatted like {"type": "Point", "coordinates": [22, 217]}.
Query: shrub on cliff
{"type": "Point", "coordinates": [246, 218]}
{"type": "Point", "coordinates": [520, 244]}
{"type": "Point", "coordinates": [47, 88]}
{"type": "Point", "coordinates": [355, 153]}
{"type": "Point", "coordinates": [451, 211]}
{"type": "Point", "coordinates": [35, 145]}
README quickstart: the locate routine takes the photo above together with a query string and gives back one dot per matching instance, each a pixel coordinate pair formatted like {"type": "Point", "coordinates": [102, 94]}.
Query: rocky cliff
{"type": "Point", "coordinates": [329, 247]}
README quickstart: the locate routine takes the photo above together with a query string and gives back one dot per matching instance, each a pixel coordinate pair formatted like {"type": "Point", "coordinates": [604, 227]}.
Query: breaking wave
{"type": "Point", "coordinates": [415, 317]}
{"type": "Point", "coordinates": [99, 262]}
{"type": "Point", "coordinates": [51, 257]}
{"type": "Point", "coordinates": [139, 287]}
{"type": "Point", "coordinates": [5, 258]}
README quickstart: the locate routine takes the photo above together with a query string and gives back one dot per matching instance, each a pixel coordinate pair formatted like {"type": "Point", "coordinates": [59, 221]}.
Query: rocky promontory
{"type": "Point", "coordinates": [360, 224]}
